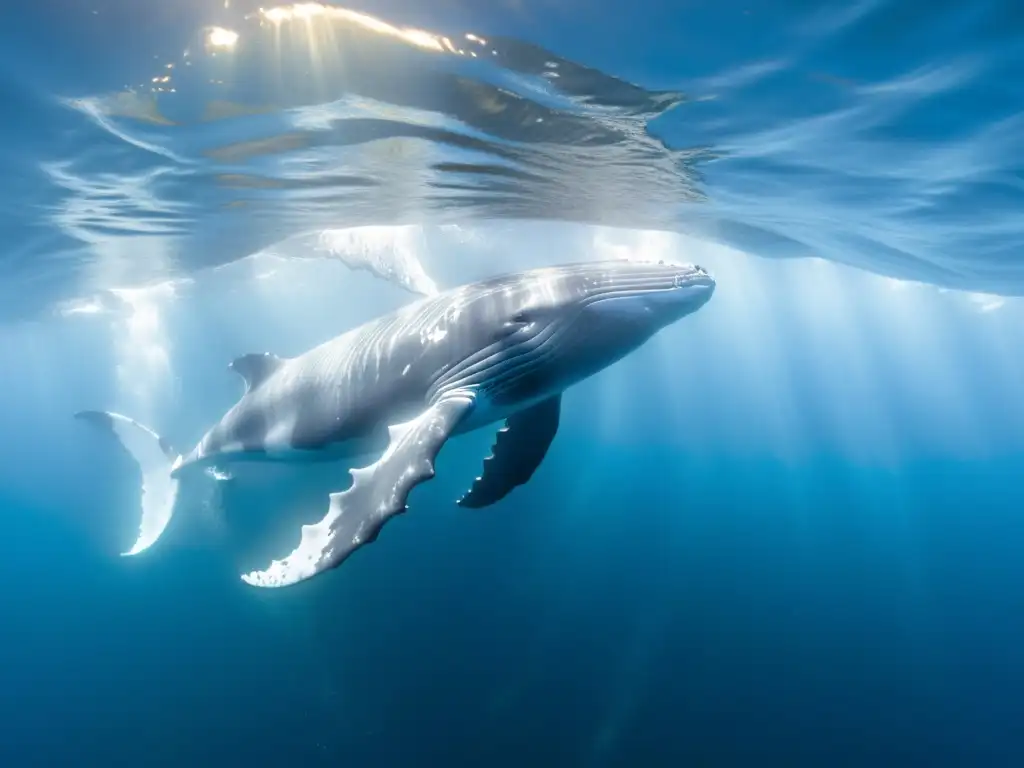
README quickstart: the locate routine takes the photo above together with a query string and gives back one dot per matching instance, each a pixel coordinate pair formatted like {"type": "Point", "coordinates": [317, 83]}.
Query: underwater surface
{"type": "Point", "coordinates": [786, 531]}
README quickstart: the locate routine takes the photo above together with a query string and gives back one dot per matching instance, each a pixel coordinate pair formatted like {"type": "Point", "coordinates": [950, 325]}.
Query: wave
{"type": "Point", "coordinates": [308, 118]}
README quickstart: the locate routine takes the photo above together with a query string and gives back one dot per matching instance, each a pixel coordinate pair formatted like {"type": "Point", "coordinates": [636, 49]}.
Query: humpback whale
{"type": "Point", "coordinates": [500, 350]}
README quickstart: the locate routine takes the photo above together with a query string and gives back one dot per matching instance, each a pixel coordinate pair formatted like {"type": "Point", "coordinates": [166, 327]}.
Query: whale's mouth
{"type": "Point", "coordinates": [695, 277]}
{"type": "Point", "coordinates": [695, 274]}
{"type": "Point", "coordinates": [659, 280]}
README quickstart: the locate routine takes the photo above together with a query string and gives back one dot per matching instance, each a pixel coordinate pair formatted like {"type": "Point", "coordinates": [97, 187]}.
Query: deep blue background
{"type": "Point", "coordinates": [785, 533]}
{"type": "Point", "coordinates": [760, 540]}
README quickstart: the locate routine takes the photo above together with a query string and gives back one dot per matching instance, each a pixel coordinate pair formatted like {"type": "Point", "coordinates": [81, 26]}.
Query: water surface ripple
{"type": "Point", "coordinates": [885, 135]}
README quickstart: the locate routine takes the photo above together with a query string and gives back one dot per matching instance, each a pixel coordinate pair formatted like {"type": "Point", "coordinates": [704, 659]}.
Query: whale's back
{"type": "Point", "coordinates": [340, 396]}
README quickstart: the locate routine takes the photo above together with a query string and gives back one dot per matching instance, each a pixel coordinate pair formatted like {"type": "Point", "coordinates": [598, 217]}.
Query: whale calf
{"type": "Point", "coordinates": [499, 350]}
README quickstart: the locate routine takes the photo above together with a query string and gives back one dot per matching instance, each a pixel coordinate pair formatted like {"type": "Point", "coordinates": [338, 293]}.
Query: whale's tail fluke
{"type": "Point", "coordinates": [156, 458]}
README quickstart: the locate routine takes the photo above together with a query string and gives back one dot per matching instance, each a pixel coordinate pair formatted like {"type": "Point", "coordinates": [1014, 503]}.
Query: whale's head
{"type": "Point", "coordinates": [538, 332]}
{"type": "Point", "coordinates": [647, 294]}
{"type": "Point", "coordinates": [624, 303]}
{"type": "Point", "coordinates": [584, 317]}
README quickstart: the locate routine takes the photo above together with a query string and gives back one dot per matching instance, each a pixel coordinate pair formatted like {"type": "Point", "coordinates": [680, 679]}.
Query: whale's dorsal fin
{"type": "Point", "coordinates": [255, 367]}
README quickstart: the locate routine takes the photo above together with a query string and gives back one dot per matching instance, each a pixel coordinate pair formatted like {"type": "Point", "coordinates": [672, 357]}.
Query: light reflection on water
{"type": "Point", "coordinates": [278, 123]}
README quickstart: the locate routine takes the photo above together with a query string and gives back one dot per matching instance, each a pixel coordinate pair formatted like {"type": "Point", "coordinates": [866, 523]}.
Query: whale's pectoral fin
{"type": "Point", "coordinates": [378, 493]}
{"type": "Point", "coordinates": [518, 450]}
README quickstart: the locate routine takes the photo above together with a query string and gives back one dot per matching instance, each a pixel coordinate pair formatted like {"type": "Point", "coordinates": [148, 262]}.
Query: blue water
{"type": "Point", "coordinates": [785, 532]}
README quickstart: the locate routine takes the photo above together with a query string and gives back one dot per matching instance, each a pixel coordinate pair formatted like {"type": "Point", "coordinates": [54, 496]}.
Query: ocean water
{"type": "Point", "coordinates": [784, 532]}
